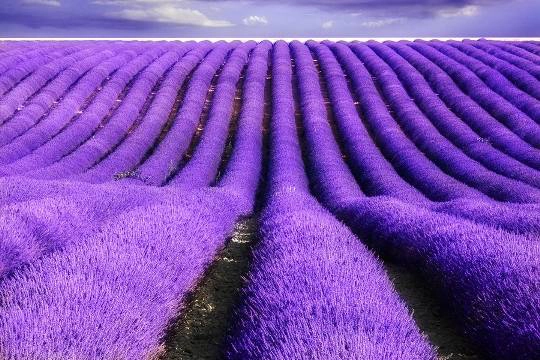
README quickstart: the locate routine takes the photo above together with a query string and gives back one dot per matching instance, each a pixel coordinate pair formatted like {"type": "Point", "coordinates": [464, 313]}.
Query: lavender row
{"type": "Point", "coordinates": [86, 72]}
{"type": "Point", "coordinates": [202, 168]}
{"type": "Point", "coordinates": [449, 124]}
{"type": "Point", "coordinates": [469, 111]}
{"type": "Point", "coordinates": [106, 232]}
{"type": "Point", "coordinates": [322, 150]}
{"type": "Point", "coordinates": [13, 100]}
{"type": "Point", "coordinates": [27, 55]}
{"type": "Point", "coordinates": [374, 173]}
{"type": "Point", "coordinates": [408, 160]}
{"type": "Point", "coordinates": [519, 77]}
{"type": "Point", "coordinates": [107, 137]}
{"type": "Point", "coordinates": [132, 150]}
{"type": "Point", "coordinates": [518, 218]}
{"type": "Point", "coordinates": [168, 153]}
{"type": "Point", "coordinates": [241, 178]}
{"type": "Point", "coordinates": [27, 132]}
{"type": "Point", "coordinates": [78, 131]}
{"type": "Point", "coordinates": [500, 108]}
{"type": "Point", "coordinates": [112, 294]}
{"type": "Point", "coordinates": [518, 61]}
{"type": "Point", "coordinates": [527, 46]}
{"type": "Point", "coordinates": [495, 80]}
{"type": "Point", "coordinates": [148, 254]}
{"type": "Point", "coordinates": [71, 223]}
{"type": "Point", "coordinates": [486, 276]}
{"type": "Point", "coordinates": [516, 50]}
{"type": "Point", "coordinates": [29, 63]}
{"type": "Point", "coordinates": [313, 291]}
{"type": "Point", "coordinates": [434, 145]}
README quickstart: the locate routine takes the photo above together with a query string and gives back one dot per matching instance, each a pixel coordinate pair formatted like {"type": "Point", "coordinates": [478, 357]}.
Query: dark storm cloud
{"type": "Point", "coordinates": [407, 8]}
{"type": "Point", "coordinates": [68, 20]}
{"type": "Point", "coordinates": [312, 18]}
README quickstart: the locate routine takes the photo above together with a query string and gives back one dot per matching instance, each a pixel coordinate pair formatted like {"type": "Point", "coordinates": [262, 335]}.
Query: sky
{"type": "Point", "coordinates": [269, 19]}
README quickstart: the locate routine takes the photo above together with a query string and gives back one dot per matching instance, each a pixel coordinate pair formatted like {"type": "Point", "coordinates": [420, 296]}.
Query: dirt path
{"type": "Point", "coordinates": [200, 331]}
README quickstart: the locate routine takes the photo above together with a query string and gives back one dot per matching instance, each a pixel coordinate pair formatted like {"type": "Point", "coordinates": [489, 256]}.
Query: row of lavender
{"type": "Point", "coordinates": [472, 148]}
{"type": "Point", "coordinates": [416, 186]}
{"type": "Point", "coordinates": [115, 248]}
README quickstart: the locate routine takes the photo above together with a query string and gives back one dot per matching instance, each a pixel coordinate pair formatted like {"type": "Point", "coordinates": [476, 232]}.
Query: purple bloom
{"type": "Point", "coordinates": [124, 167]}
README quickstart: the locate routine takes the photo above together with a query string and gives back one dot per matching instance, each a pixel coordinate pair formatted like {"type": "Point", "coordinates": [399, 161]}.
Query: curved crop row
{"type": "Point", "coordinates": [408, 160]}
{"type": "Point", "coordinates": [519, 77]}
{"type": "Point", "coordinates": [130, 151]}
{"type": "Point", "coordinates": [500, 108]}
{"type": "Point", "coordinates": [27, 64]}
{"type": "Point", "coordinates": [201, 170]}
{"type": "Point", "coordinates": [469, 111]}
{"type": "Point", "coordinates": [133, 274]}
{"type": "Point", "coordinates": [374, 173]}
{"type": "Point", "coordinates": [78, 131]}
{"type": "Point", "coordinates": [487, 276]}
{"type": "Point", "coordinates": [241, 178]}
{"type": "Point", "coordinates": [450, 125]}
{"type": "Point", "coordinates": [168, 153]}
{"type": "Point", "coordinates": [159, 263]}
{"type": "Point", "coordinates": [426, 137]}
{"type": "Point", "coordinates": [305, 253]}
{"type": "Point", "coordinates": [527, 46]}
{"type": "Point", "coordinates": [516, 50]}
{"type": "Point", "coordinates": [15, 98]}
{"type": "Point", "coordinates": [518, 61]}
{"type": "Point", "coordinates": [521, 218]}
{"type": "Point", "coordinates": [495, 80]}
{"type": "Point", "coordinates": [321, 147]}
{"type": "Point", "coordinates": [125, 165]}
{"type": "Point", "coordinates": [47, 103]}
{"type": "Point", "coordinates": [24, 133]}
{"type": "Point", "coordinates": [107, 137]}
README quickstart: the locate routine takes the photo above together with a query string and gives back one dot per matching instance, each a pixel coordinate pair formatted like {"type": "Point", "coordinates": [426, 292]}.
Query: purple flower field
{"type": "Point", "coordinates": [125, 167]}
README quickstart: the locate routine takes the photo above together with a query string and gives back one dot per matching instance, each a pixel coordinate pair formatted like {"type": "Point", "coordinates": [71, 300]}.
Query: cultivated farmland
{"type": "Point", "coordinates": [132, 173]}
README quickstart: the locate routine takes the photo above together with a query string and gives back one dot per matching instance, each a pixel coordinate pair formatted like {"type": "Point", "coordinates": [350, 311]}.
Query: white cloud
{"type": "Point", "coordinates": [169, 14]}
{"type": "Point", "coordinates": [130, 2]}
{"type": "Point", "coordinates": [42, 2]}
{"type": "Point", "coordinates": [469, 10]}
{"type": "Point", "coordinates": [328, 24]}
{"type": "Point", "coordinates": [255, 20]}
{"type": "Point", "coordinates": [381, 22]}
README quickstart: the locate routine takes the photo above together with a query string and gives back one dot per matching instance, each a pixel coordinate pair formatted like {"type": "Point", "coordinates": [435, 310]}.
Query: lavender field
{"type": "Point", "coordinates": [126, 168]}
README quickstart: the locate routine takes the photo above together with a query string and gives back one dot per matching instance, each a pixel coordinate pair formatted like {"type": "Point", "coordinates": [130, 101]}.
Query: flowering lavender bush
{"type": "Point", "coordinates": [312, 282]}
{"type": "Point", "coordinates": [124, 167]}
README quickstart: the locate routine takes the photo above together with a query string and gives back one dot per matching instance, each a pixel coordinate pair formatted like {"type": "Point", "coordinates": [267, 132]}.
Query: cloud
{"type": "Point", "coordinates": [328, 24]}
{"type": "Point", "coordinates": [469, 10]}
{"type": "Point", "coordinates": [255, 20]}
{"type": "Point", "coordinates": [378, 8]}
{"type": "Point", "coordinates": [42, 2]}
{"type": "Point", "coordinates": [162, 12]}
{"type": "Point", "coordinates": [133, 2]}
{"type": "Point", "coordinates": [381, 22]}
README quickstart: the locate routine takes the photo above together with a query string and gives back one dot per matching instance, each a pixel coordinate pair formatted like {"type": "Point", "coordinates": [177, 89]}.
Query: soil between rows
{"type": "Point", "coordinates": [199, 333]}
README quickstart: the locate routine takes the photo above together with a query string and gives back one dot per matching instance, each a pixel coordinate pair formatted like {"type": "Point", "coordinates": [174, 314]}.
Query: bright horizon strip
{"type": "Point", "coordinates": [273, 39]}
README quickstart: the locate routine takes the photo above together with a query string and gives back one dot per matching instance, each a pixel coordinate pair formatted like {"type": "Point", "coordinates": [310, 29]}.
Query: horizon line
{"type": "Point", "coordinates": [272, 39]}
